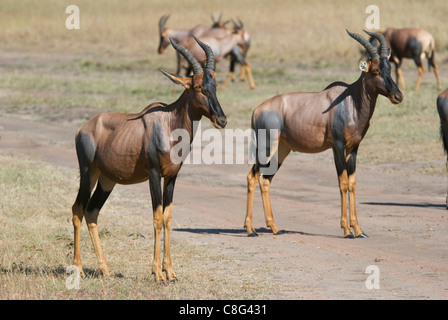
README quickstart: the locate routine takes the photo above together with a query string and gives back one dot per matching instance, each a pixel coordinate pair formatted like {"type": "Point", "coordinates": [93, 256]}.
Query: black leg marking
{"type": "Point", "coordinates": [168, 191]}
{"type": "Point", "coordinates": [155, 188]}
{"type": "Point", "coordinates": [98, 199]}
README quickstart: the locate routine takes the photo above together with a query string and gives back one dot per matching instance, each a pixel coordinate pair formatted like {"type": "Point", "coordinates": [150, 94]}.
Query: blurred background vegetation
{"type": "Point", "coordinates": [284, 32]}
{"type": "Point", "coordinates": [111, 63]}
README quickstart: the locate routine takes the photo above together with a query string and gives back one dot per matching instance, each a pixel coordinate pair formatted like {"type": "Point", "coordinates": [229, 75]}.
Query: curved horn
{"type": "Point", "coordinates": [162, 21]}
{"type": "Point", "coordinates": [195, 65]}
{"type": "Point", "coordinates": [384, 50]}
{"type": "Point", "coordinates": [237, 26]}
{"type": "Point", "coordinates": [241, 23]}
{"type": "Point", "coordinates": [219, 18]}
{"type": "Point", "coordinates": [210, 65]}
{"type": "Point", "coordinates": [366, 44]}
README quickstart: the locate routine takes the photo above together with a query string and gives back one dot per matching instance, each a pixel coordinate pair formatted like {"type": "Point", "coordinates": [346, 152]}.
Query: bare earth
{"type": "Point", "coordinates": [403, 214]}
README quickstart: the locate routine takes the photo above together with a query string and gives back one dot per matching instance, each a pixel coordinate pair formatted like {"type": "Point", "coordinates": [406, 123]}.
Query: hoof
{"type": "Point", "coordinates": [280, 232]}
{"type": "Point", "coordinates": [175, 280]}
{"type": "Point", "coordinates": [253, 234]}
{"type": "Point", "coordinates": [362, 235]}
{"type": "Point", "coordinates": [349, 236]}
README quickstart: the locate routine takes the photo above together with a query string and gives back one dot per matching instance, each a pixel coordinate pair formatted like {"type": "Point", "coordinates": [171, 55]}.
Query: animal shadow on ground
{"type": "Point", "coordinates": [397, 204]}
{"type": "Point", "coordinates": [243, 233]}
{"type": "Point", "coordinates": [59, 271]}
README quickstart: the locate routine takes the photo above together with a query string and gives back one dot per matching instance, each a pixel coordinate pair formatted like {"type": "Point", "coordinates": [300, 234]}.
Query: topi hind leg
{"type": "Point", "coordinates": [168, 191]}
{"type": "Point", "coordinates": [252, 180]}
{"type": "Point", "coordinates": [341, 169]}
{"type": "Point", "coordinates": [421, 71]}
{"type": "Point", "coordinates": [351, 172]}
{"type": "Point", "coordinates": [157, 205]}
{"type": "Point", "coordinates": [279, 154]}
{"type": "Point", "coordinates": [265, 184]}
{"type": "Point", "coordinates": [99, 197]}
{"type": "Point", "coordinates": [346, 170]}
{"type": "Point", "coordinates": [436, 72]}
{"type": "Point", "coordinates": [89, 174]}
{"type": "Point", "coordinates": [271, 152]}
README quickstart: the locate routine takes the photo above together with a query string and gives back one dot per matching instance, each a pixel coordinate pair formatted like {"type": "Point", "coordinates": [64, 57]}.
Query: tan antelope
{"type": "Point", "coordinates": [220, 31]}
{"type": "Point", "coordinates": [176, 34]}
{"type": "Point", "coordinates": [411, 43]}
{"type": "Point", "coordinates": [180, 34]}
{"type": "Point", "coordinates": [243, 51]}
{"type": "Point", "coordinates": [131, 148]}
{"type": "Point", "coordinates": [337, 117]}
{"type": "Point", "coordinates": [230, 43]}
{"type": "Point", "coordinates": [217, 30]}
{"type": "Point", "coordinates": [442, 109]}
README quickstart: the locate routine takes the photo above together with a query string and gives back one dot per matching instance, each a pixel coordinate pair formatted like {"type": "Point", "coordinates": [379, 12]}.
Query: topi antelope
{"type": "Point", "coordinates": [442, 108]}
{"type": "Point", "coordinates": [177, 34]}
{"type": "Point", "coordinates": [131, 148]}
{"type": "Point", "coordinates": [413, 44]}
{"type": "Point", "coordinates": [242, 54]}
{"type": "Point", "coordinates": [219, 31]}
{"type": "Point", "coordinates": [229, 43]}
{"type": "Point", "coordinates": [337, 117]}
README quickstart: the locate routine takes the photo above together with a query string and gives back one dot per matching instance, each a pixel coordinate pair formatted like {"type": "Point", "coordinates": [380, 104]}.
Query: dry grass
{"type": "Point", "coordinates": [36, 247]}
{"type": "Point", "coordinates": [283, 32]}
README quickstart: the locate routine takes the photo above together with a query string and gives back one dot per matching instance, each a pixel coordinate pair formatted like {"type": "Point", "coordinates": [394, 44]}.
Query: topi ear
{"type": "Point", "coordinates": [183, 81]}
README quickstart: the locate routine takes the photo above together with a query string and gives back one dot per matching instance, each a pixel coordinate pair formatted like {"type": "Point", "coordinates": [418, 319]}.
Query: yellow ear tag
{"type": "Point", "coordinates": [364, 66]}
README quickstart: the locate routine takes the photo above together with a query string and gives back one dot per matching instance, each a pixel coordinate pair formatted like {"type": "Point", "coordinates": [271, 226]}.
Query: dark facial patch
{"type": "Point", "coordinates": [385, 68]}
{"type": "Point", "coordinates": [209, 90]}
{"type": "Point", "coordinates": [388, 83]}
{"type": "Point", "coordinates": [208, 84]}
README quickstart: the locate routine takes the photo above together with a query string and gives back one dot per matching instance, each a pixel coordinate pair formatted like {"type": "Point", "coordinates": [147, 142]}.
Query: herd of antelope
{"type": "Point", "coordinates": [118, 148]}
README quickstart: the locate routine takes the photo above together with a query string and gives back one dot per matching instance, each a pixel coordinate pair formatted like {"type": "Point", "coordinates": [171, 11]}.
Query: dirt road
{"type": "Point", "coordinates": [402, 213]}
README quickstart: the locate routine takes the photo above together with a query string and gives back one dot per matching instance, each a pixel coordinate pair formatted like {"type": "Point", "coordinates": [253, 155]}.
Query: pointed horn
{"type": "Point", "coordinates": [210, 65]}
{"type": "Point", "coordinates": [195, 65]}
{"type": "Point", "coordinates": [366, 44]}
{"type": "Point", "coordinates": [235, 25]}
{"type": "Point", "coordinates": [241, 23]}
{"type": "Point", "coordinates": [162, 21]}
{"type": "Point", "coordinates": [384, 50]}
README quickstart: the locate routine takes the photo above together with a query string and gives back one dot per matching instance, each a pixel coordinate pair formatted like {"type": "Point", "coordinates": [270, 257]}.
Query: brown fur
{"type": "Point", "coordinates": [397, 40]}
{"type": "Point", "coordinates": [222, 41]}
{"type": "Point", "coordinates": [131, 148]}
{"type": "Point", "coordinates": [337, 117]}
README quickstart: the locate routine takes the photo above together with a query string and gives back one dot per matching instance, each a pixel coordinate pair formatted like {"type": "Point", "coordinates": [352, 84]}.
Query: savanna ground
{"type": "Point", "coordinates": [53, 79]}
